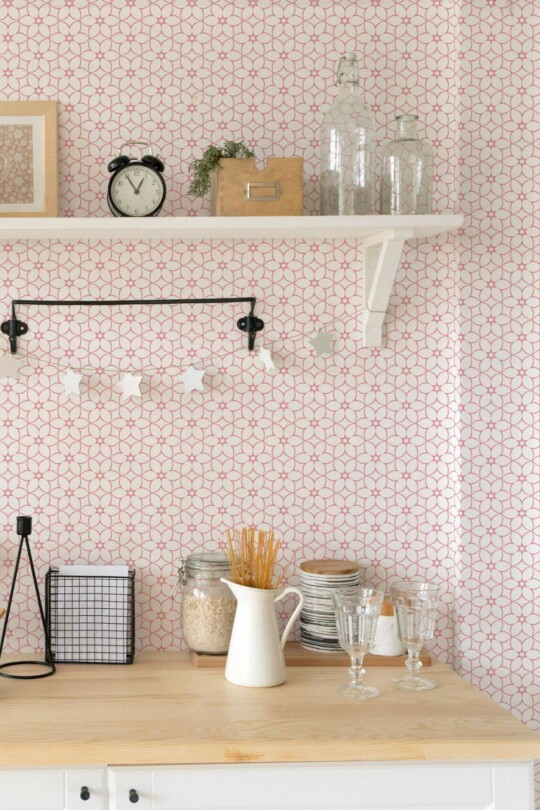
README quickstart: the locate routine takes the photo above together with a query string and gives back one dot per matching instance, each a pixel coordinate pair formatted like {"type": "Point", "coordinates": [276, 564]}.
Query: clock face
{"type": "Point", "coordinates": [137, 191]}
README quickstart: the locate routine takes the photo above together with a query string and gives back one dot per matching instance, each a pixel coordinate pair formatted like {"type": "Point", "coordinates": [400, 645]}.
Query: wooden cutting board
{"type": "Point", "coordinates": [298, 656]}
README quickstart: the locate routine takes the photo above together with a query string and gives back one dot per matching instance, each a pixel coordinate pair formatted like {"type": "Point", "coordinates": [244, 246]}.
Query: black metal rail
{"type": "Point", "coordinates": [14, 328]}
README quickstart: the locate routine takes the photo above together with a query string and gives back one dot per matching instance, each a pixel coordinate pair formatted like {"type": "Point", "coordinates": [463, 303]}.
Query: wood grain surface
{"type": "Point", "coordinates": [329, 567]}
{"type": "Point", "coordinates": [230, 180]}
{"type": "Point", "coordinates": [161, 710]}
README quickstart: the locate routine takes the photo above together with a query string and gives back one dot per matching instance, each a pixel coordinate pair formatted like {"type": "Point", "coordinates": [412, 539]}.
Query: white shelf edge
{"type": "Point", "coordinates": [382, 239]}
{"type": "Point", "coordinates": [67, 229]}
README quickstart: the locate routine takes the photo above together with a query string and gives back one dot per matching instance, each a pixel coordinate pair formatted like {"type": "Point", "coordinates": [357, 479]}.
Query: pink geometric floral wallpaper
{"type": "Point", "coordinates": [499, 616]}
{"type": "Point", "coordinates": [417, 458]}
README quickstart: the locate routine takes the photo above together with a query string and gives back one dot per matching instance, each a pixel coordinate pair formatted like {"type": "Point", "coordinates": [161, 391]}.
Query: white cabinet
{"type": "Point", "coordinates": [53, 789]}
{"type": "Point", "coordinates": [314, 786]}
{"type": "Point", "coordinates": [349, 786]}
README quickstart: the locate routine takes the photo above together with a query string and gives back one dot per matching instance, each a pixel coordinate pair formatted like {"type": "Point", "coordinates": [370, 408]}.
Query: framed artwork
{"type": "Point", "coordinates": [28, 159]}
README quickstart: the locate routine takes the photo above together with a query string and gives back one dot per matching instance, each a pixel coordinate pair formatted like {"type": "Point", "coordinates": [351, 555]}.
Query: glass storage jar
{"type": "Point", "coordinates": [208, 606]}
{"type": "Point", "coordinates": [406, 171]}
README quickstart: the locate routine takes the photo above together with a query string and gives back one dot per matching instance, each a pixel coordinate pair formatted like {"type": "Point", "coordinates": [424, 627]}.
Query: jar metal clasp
{"type": "Point", "coordinates": [181, 577]}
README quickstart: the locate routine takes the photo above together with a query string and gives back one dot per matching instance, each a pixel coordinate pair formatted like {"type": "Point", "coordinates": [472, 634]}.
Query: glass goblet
{"type": "Point", "coordinates": [357, 613]}
{"type": "Point", "coordinates": [416, 606]}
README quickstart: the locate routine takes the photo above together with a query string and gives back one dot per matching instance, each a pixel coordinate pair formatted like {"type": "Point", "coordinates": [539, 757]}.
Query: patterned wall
{"type": "Point", "coordinates": [378, 454]}
{"type": "Point", "coordinates": [500, 313]}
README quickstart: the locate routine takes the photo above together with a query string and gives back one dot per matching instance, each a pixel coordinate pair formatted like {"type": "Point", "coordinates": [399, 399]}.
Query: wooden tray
{"type": "Point", "coordinates": [298, 656]}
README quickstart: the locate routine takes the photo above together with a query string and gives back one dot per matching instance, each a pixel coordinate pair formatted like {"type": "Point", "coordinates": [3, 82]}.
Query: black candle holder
{"type": "Point", "coordinates": [24, 530]}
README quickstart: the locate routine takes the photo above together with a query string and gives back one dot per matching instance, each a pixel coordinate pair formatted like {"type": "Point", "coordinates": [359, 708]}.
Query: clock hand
{"type": "Point", "coordinates": [131, 183]}
{"type": "Point", "coordinates": [139, 186]}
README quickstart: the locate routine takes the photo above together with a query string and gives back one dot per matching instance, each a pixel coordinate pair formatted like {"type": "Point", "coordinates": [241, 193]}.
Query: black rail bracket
{"type": "Point", "coordinates": [14, 329]}
{"type": "Point", "coordinates": [250, 324]}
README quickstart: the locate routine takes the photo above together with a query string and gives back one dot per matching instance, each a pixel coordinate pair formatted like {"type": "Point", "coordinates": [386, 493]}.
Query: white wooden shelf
{"type": "Point", "coordinates": [192, 229]}
{"type": "Point", "coordinates": [382, 239]}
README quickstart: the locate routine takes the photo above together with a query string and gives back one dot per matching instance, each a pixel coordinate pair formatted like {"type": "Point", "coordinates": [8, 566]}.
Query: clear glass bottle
{"type": "Point", "coordinates": [208, 606]}
{"type": "Point", "coordinates": [406, 171]}
{"type": "Point", "coordinates": [348, 147]}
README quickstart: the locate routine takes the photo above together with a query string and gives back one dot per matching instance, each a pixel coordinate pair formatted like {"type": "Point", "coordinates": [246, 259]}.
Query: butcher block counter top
{"type": "Point", "coordinates": [162, 710]}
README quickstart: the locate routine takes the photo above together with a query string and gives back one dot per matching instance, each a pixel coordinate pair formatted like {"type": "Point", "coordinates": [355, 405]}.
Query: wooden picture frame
{"type": "Point", "coordinates": [28, 159]}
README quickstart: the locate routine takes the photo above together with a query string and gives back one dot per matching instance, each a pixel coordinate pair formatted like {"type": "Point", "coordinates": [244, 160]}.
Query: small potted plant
{"type": "Point", "coordinates": [239, 188]}
{"type": "Point", "coordinates": [203, 168]}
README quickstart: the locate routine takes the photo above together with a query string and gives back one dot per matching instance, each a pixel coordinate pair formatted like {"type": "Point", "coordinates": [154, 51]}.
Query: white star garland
{"type": "Point", "coordinates": [265, 356]}
{"type": "Point", "coordinates": [71, 382]}
{"type": "Point", "coordinates": [129, 385]}
{"type": "Point", "coordinates": [9, 366]}
{"type": "Point", "coordinates": [193, 379]}
{"type": "Point", "coordinates": [322, 343]}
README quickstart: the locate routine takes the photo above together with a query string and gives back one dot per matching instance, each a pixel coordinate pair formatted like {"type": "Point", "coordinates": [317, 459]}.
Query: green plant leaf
{"type": "Point", "coordinates": [202, 168]}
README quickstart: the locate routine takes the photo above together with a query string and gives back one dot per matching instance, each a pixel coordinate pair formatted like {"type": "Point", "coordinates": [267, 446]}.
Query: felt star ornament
{"type": "Point", "coordinates": [265, 355]}
{"type": "Point", "coordinates": [129, 386]}
{"type": "Point", "coordinates": [71, 382]}
{"type": "Point", "coordinates": [9, 366]}
{"type": "Point", "coordinates": [193, 379]}
{"type": "Point", "coordinates": [322, 343]}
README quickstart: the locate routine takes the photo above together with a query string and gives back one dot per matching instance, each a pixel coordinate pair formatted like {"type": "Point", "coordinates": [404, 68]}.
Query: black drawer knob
{"type": "Point", "coordinates": [133, 796]}
{"type": "Point", "coordinates": [85, 794]}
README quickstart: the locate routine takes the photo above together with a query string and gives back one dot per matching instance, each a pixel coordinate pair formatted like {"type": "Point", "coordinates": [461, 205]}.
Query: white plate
{"type": "Point", "coordinates": [320, 636]}
{"type": "Point", "coordinates": [322, 605]}
{"type": "Point", "coordinates": [318, 639]}
{"type": "Point", "coordinates": [337, 588]}
{"type": "Point", "coordinates": [330, 577]}
{"type": "Point", "coordinates": [316, 648]}
{"type": "Point", "coordinates": [324, 615]}
{"type": "Point", "coordinates": [323, 593]}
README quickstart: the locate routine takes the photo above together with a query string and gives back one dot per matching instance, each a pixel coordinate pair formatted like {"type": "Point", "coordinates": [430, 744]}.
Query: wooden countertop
{"type": "Point", "coordinates": [161, 710]}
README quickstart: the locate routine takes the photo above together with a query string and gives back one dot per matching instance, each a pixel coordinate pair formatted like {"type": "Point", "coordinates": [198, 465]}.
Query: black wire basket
{"type": "Point", "coordinates": [91, 619]}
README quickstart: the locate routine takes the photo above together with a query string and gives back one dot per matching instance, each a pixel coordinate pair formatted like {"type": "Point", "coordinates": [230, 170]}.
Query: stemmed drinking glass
{"type": "Point", "coordinates": [416, 606]}
{"type": "Point", "coordinates": [357, 613]}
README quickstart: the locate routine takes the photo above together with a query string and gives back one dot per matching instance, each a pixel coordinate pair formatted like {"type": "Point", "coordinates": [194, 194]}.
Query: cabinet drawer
{"type": "Point", "coordinates": [26, 790]}
{"type": "Point", "coordinates": [348, 786]}
{"type": "Point", "coordinates": [48, 789]}
{"type": "Point", "coordinates": [95, 782]}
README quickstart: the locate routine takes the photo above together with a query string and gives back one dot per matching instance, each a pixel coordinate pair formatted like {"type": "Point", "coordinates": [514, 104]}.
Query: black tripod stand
{"type": "Point", "coordinates": [24, 530]}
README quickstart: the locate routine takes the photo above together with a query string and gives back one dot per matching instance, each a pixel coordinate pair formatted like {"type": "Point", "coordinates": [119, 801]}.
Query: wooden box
{"type": "Point", "coordinates": [298, 656]}
{"type": "Point", "coordinates": [240, 189]}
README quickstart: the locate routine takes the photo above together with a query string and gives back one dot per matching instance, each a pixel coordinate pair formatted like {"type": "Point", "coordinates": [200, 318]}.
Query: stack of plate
{"type": "Point", "coordinates": [319, 580]}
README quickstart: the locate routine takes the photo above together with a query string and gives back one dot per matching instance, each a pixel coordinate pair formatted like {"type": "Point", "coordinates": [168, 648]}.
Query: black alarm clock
{"type": "Point", "coordinates": [137, 187]}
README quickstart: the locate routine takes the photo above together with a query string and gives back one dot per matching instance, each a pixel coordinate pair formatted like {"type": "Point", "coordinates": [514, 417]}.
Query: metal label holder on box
{"type": "Point", "coordinates": [239, 188]}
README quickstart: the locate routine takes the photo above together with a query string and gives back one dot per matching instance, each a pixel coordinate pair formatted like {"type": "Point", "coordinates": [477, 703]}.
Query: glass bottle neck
{"type": "Point", "coordinates": [347, 73]}
{"type": "Point", "coordinates": [407, 129]}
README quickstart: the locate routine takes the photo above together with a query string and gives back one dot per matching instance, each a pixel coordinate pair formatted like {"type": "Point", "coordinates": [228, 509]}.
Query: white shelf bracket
{"type": "Point", "coordinates": [381, 258]}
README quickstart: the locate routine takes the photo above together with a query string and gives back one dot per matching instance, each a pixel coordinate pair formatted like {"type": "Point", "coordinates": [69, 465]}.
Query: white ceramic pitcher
{"type": "Point", "coordinates": [256, 651]}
